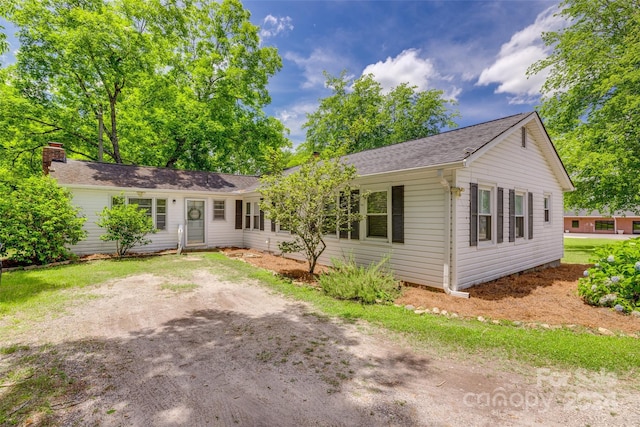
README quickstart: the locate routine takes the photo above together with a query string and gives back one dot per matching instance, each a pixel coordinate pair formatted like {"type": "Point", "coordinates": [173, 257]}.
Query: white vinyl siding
{"type": "Point", "coordinates": [419, 259]}
{"type": "Point", "coordinates": [508, 166]}
{"type": "Point", "coordinates": [93, 201]}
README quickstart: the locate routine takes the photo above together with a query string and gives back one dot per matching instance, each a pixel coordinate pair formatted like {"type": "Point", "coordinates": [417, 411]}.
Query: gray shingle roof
{"type": "Point", "coordinates": [444, 148]}
{"type": "Point", "coordinates": [76, 172]}
{"type": "Point", "coordinates": [447, 147]}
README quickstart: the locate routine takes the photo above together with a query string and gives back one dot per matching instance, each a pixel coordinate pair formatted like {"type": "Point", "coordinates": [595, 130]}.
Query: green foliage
{"type": "Point", "coordinates": [37, 220]}
{"type": "Point", "coordinates": [591, 101]}
{"type": "Point", "coordinates": [175, 84]}
{"type": "Point", "coordinates": [369, 285]}
{"type": "Point", "coordinates": [306, 202]}
{"type": "Point", "coordinates": [127, 225]}
{"type": "Point", "coordinates": [359, 116]}
{"type": "Point", "coordinates": [614, 281]}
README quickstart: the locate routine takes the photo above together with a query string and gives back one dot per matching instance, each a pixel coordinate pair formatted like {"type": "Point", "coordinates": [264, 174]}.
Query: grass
{"type": "Point", "coordinates": [35, 379]}
{"type": "Point", "coordinates": [31, 293]}
{"type": "Point", "coordinates": [579, 250]}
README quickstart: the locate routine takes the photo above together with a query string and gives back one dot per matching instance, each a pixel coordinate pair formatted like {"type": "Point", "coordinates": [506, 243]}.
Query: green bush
{"type": "Point", "coordinates": [37, 220]}
{"type": "Point", "coordinates": [614, 280]}
{"type": "Point", "coordinates": [127, 225]}
{"type": "Point", "coordinates": [366, 284]}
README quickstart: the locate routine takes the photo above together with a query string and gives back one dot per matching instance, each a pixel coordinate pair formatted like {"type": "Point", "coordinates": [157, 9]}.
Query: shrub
{"type": "Point", "coordinates": [37, 220]}
{"type": "Point", "coordinates": [614, 280]}
{"type": "Point", "coordinates": [366, 284]}
{"type": "Point", "coordinates": [127, 225]}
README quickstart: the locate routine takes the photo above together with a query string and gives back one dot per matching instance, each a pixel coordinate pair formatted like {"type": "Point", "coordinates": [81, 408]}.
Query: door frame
{"type": "Point", "coordinates": [186, 222]}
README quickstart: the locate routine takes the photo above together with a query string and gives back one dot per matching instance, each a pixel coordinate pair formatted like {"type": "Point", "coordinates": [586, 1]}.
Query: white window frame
{"type": "Point", "coordinates": [247, 215]}
{"type": "Point", "coordinates": [217, 210]}
{"type": "Point", "coordinates": [491, 214]}
{"type": "Point", "coordinates": [522, 216]}
{"type": "Point", "coordinates": [546, 208]}
{"type": "Point", "coordinates": [364, 207]}
{"type": "Point", "coordinates": [256, 216]}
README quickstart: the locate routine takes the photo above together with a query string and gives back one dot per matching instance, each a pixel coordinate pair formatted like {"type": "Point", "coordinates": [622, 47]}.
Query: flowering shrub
{"type": "Point", "coordinates": [614, 280]}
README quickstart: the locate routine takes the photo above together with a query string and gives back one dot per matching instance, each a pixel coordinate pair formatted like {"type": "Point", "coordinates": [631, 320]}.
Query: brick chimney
{"type": "Point", "coordinates": [52, 153]}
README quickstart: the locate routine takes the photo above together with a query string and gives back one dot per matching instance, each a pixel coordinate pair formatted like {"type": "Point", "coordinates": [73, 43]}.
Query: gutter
{"type": "Point", "coordinates": [446, 285]}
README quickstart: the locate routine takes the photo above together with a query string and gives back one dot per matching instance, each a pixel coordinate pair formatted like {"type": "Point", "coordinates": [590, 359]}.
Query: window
{"type": "Point", "coordinates": [519, 215]}
{"type": "Point", "coordinates": [484, 215]}
{"type": "Point", "coordinates": [161, 214]}
{"type": "Point", "coordinates": [575, 223]}
{"type": "Point", "coordinates": [352, 205]}
{"type": "Point", "coordinates": [218, 210]}
{"type": "Point", "coordinates": [523, 142]}
{"type": "Point", "coordinates": [247, 216]}
{"type": "Point", "coordinates": [481, 214]}
{"type": "Point", "coordinates": [547, 208]}
{"type": "Point", "coordinates": [330, 225]}
{"type": "Point", "coordinates": [256, 215]}
{"type": "Point", "coordinates": [156, 209]}
{"type": "Point", "coordinates": [636, 227]}
{"type": "Point", "coordinates": [377, 214]}
{"type": "Point", "coordinates": [605, 225]}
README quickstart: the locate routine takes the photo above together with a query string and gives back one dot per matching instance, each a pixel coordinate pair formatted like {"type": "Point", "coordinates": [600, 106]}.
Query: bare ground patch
{"type": "Point", "coordinates": [221, 353]}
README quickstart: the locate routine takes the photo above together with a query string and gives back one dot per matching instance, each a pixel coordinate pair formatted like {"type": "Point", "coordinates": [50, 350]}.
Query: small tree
{"type": "Point", "coordinates": [310, 202]}
{"type": "Point", "coordinates": [37, 220]}
{"type": "Point", "coordinates": [127, 225]}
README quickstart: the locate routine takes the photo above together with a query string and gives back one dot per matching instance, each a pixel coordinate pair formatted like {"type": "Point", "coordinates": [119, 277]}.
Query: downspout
{"type": "Point", "coordinates": [447, 241]}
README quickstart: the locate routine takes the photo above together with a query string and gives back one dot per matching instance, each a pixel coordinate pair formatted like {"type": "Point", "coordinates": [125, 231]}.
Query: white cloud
{"type": "Point", "coordinates": [525, 48]}
{"type": "Point", "coordinates": [293, 117]}
{"type": "Point", "coordinates": [313, 66]}
{"type": "Point", "coordinates": [407, 67]}
{"type": "Point", "coordinates": [273, 26]}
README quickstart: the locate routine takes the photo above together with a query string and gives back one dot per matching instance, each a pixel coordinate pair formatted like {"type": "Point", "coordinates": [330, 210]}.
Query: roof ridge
{"type": "Point", "coordinates": [440, 133]}
{"type": "Point", "coordinates": [161, 168]}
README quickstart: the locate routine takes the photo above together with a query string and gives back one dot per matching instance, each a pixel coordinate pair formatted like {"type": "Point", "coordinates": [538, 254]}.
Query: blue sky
{"type": "Point", "coordinates": [477, 52]}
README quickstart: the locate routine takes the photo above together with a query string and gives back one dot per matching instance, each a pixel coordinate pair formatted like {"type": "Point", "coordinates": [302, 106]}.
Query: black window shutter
{"type": "Point", "coordinates": [397, 214]}
{"type": "Point", "coordinates": [500, 218]}
{"type": "Point", "coordinates": [261, 217]}
{"type": "Point", "coordinates": [512, 215]}
{"type": "Point", "coordinates": [238, 214]}
{"type": "Point", "coordinates": [355, 208]}
{"type": "Point", "coordinates": [473, 215]}
{"type": "Point", "coordinates": [530, 214]}
{"type": "Point", "coordinates": [273, 226]}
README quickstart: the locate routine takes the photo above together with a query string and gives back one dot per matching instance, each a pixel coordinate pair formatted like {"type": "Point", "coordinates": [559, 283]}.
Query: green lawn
{"type": "Point", "coordinates": [28, 296]}
{"type": "Point", "coordinates": [578, 250]}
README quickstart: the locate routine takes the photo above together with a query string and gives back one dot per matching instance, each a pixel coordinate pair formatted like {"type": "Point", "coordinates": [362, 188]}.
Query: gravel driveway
{"type": "Point", "coordinates": [221, 353]}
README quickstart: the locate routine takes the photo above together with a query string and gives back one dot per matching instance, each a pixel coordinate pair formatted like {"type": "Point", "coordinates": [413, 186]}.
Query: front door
{"type": "Point", "coordinates": [195, 222]}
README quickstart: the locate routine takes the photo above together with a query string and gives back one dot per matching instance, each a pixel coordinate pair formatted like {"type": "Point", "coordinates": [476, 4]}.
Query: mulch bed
{"type": "Point", "coordinates": [546, 298]}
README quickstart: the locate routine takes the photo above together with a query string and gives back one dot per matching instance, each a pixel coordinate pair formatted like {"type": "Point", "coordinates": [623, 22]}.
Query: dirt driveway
{"type": "Point", "coordinates": [221, 353]}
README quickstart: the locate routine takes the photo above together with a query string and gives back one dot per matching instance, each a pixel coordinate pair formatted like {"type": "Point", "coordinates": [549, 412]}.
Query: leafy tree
{"type": "Point", "coordinates": [591, 101]}
{"type": "Point", "coordinates": [159, 82]}
{"type": "Point", "coordinates": [359, 116]}
{"type": "Point", "coordinates": [307, 202]}
{"type": "Point", "coordinates": [127, 225]}
{"type": "Point", "coordinates": [37, 220]}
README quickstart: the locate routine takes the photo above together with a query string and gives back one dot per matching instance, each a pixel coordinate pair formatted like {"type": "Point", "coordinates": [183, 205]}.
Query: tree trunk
{"type": "Point", "coordinates": [114, 129]}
